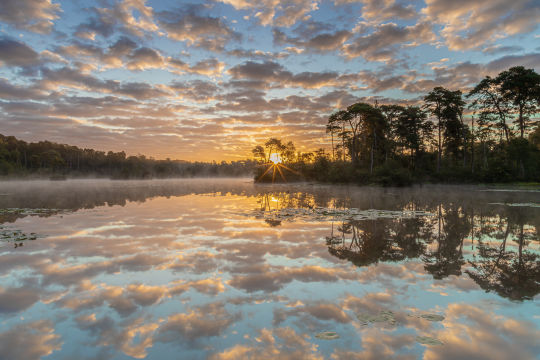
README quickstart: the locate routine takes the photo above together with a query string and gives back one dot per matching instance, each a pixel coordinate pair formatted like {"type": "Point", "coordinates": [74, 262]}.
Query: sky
{"type": "Point", "coordinates": [211, 80]}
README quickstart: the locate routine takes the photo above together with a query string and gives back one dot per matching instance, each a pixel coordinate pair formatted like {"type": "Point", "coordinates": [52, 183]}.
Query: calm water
{"type": "Point", "coordinates": [224, 269]}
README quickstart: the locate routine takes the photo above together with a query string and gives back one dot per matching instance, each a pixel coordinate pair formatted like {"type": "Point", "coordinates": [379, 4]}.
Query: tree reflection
{"type": "Point", "coordinates": [503, 257]}
{"type": "Point", "coordinates": [509, 271]}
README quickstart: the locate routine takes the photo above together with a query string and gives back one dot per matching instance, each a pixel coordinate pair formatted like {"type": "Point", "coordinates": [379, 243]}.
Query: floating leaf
{"type": "Point", "coordinates": [327, 335]}
{"type": "Point", "coordinates": [429, 317]}
{"type": "Point", "coordinates": [432, 317]}
{"type": "Point", "coordinates": [426, 340]}
{"type": "Point", "coordinates": [383, 316]}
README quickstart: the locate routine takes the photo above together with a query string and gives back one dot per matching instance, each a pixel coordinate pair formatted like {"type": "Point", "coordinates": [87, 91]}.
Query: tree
{"type": "Point", "coordinates": [336, 121]}
{"type": "Point", "coordinates": [447, 106]}
{"type": "Point", "coordinates": [521, 88]}
{"type": "Point", "coordinates": [410, 129]}
{"type": "Point", "coordinates": [289, 152]}
{"type": "Point", "coordinates": [434, 102]}
{"type": "Point", "coordinates": [258, 152]}
{"type": "Point", "coordinates": [368, 121]}
{"type": "Point", "coordinates": [273, 145]}
{"type": "Point", "coordinates": [489, 104]}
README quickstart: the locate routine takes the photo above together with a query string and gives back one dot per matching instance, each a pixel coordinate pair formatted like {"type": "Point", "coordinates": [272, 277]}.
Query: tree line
{"type": "Point", "coordinates": [49, 159]}
{"type": "Point", "coordinates": [432, 141]}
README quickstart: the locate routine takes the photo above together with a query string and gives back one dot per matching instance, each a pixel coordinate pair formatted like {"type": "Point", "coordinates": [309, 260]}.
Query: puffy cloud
{"type": "Point", "coordinates": [67, 76]}
{"type": "Point", "coordinates": [15, 53]}
{"type": "Point", "coordinates": [17, 299]}
{"type": "Point", "coordinates": [276, 12]}
{"type": "Point", "coordinates": [145, 58]}
{"type": "Point", "coordinates": [464, 75]}
{"type": "Point", "coordinates": [32, 340]}
{"type": "Point", "coordinates": [497, 49]}
{"type": "Point", "coordinates": [208, 32]}
{"type": "Point", "coordinates": [33, 15]}
{"type": "Point", "coordinates": [279, 343]}
{"type": "Point", "coordinates": [471, 24]}
{"type": "Point", "coordinates": [380, 10]}
{"type": "Point", "coordinates": [266, 280]}
{"type": "Point", "coordinates": [208, 67]}
{"type": "Point", "coordinates": [132, 337]}
{"type": "Point", "coordinates": [274, 73]}
{"type": "Point", "coordinates": [8, 91]}
{"type": "Point", "coordinates": [494, 337]}
{"type": "Point", "coordinates": [206, 321]}
{"type": "Point", "coordinates": [384, 40]}
{"type": "Point", "coordinates": [319, 43]}
{"type": "Point", "coordinates": [120, 15]}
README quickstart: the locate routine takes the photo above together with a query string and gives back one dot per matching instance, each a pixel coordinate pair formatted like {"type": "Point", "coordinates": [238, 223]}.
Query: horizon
{"type": "Point", "coordinates": [209, 81]}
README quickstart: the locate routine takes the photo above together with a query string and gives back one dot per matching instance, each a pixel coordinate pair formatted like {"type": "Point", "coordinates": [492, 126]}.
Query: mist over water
{"type": "Point", "coordinates": [224, 268]}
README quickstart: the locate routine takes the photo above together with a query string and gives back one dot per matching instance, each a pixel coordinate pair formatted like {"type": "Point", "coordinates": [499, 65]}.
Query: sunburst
{"type": "Point", "coordinates": [275, 164]}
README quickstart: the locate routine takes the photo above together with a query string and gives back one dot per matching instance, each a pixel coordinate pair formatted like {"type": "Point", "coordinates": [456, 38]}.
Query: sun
{"type": "Point", "coordinates": [275, 158]}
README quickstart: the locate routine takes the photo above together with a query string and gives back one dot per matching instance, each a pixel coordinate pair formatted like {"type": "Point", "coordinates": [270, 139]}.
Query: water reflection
{"type": "Point", "coordinates": [225, 269]}
{"type": "Point", "coordinates": [502, 257]}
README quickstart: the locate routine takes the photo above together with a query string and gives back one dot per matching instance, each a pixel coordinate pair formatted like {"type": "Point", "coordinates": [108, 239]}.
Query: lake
{"type": "Point", "coordinates": [226, 269]}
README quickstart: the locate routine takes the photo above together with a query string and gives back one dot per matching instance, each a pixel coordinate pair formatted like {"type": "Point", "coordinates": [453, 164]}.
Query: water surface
{"type": "Point", "coordinates": [225, 269]}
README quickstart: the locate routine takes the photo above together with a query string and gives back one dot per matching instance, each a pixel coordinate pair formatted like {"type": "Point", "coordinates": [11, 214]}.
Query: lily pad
{"type": "Point", "coordinates": [432, 317]}
{"type": "Point", "coordinates": [327, 335]}
{"type": "Point", "coordinates": [427, 340]}
{"type": "Point", "coordinates": [333, 214]}
{"type": "Point", "coordinates": [383, 316]}
{"type": "Point", "coordinates": [429, 317]}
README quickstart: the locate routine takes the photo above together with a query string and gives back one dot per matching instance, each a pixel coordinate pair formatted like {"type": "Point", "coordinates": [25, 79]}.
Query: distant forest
{"type": "Point", "coordinates": [57, 161]}
{"type": "Point", "coordinates": [399, 145]}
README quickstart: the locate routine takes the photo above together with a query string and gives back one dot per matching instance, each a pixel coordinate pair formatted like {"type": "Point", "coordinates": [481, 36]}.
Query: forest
{"type": "Point", "coordinates": [57, 161]}
{"type": "Point", "coordinates": [393, 144]}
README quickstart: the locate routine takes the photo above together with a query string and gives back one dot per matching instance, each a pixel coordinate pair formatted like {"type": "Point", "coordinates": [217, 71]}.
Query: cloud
{"type": "Point", "coordinates": [276, 12]}
{"type": "Point", "coordinates": [66, 76]}
{"type": "Point", "coordinates": [274, 74]}
{"type": "Point", "coordinates": [206, 321]}
{"type": "Point", "coordinates": [497, 49]}
{"type": "Point", "coordinates": [494, 337]}
{"type": "Point", "coordinates": [145, 58]}
{"type": "Point", "coordinates": [263, 278]}
{"type": "Point", "coordinates": [132, 337]}
{"type": "Point", "coordinates": [209, 67]}
{"type": "Point", "coordinates": [199, 30]}
{"type": "Point", "coordinates": [17, 299]}
{"type": "Point", "coordinates": [15, 53]}
{"type": "Point", "coordinates": [466, 74]}
{"type": "Point", "coordinates": [132, 17]}
{"type": "Point", "coordinates": [278, 343]}
{"type": "Point", "coordinates": [13, 91]}
{"type": "Point", "coordinates": [383, 41]}
{"type": "Point", "coordinates": [319, 43]}
{"type": "Point", "coordinates": [471, 24]}
{"type": "Point", "coordinates": [32, 15]}
{"type": "Point", "coordinates": [31, 340]}
{"type": "Point", "coordinates": [377, 11]}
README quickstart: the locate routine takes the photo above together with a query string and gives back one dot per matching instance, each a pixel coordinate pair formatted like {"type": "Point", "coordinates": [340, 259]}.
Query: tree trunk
{"type": "Point", "coordinates": [521, 121]}
{"type": "Point", "coordinates": [439, 147]}
{"type": "Point", "coordinates": [472, 146]}
{"type": "Point", "coordinates": [372, 146]}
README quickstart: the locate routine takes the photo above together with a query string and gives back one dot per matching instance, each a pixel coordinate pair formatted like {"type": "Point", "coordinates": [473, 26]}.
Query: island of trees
{"type": "Point", "coordinates": [399, 145]}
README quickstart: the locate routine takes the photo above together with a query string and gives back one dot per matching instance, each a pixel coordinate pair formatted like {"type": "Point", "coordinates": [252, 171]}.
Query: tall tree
{"type": "Point", "coordinates": [521, 88]}
{"type": "Point", "coordinates": [339, 120]}
{"type": "Point", "coordinates": [434, 102]}
{"type": "Point", "coordinates": [447, 106]}
{"type": "Point", "coordinates": [489, 103]}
